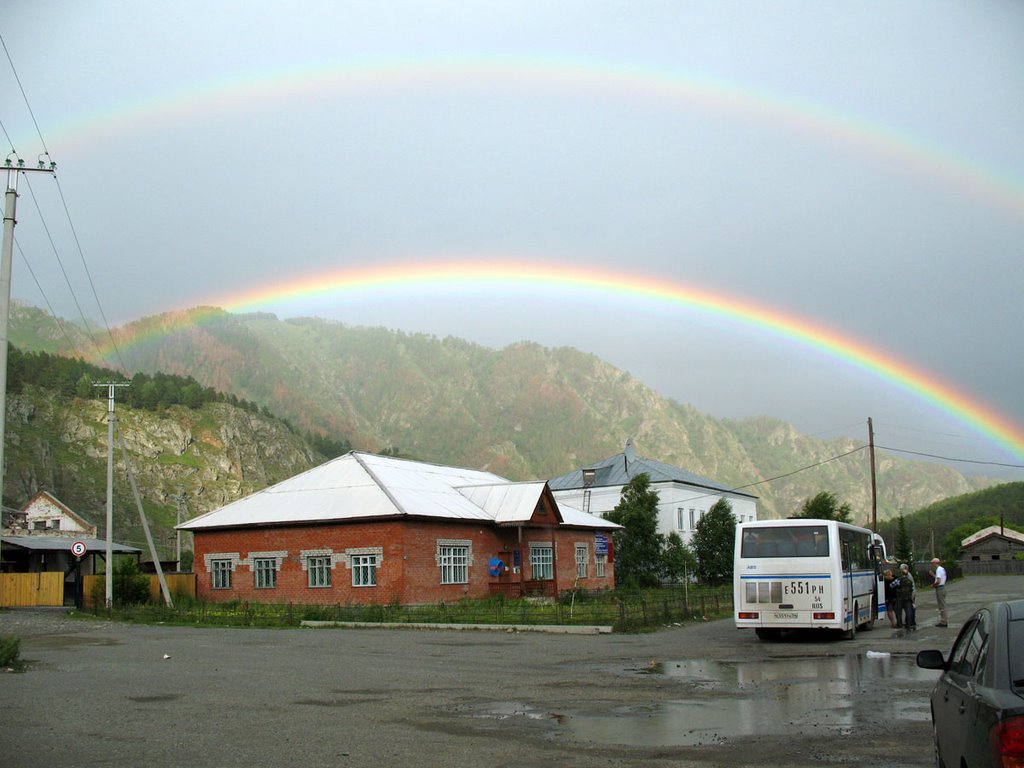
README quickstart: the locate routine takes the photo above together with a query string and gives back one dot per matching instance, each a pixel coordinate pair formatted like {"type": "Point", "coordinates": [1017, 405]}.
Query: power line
{"type": "Point", "coordinates": [24, 96]}
{"type": "Point", "coordinates": [951, 458]}
{"type": "Point", "coordinates": [71, 225]}
{"type": "Point", "coordinates": [56, 319]}
{"type": "Point", "coordinates": [802, 469]}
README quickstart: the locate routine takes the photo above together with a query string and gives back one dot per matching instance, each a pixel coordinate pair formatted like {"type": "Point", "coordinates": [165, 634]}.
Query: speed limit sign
{"type": "Point", "coordinates": [78, 548]}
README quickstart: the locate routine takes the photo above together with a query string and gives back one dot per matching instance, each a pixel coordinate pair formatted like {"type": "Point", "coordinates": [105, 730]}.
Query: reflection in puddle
{"type": "Point", "coordinates": [756, 698]}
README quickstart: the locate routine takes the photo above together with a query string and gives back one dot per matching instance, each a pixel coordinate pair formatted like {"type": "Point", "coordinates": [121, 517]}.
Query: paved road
{"type": "Point", "coordinates": [99, 693]}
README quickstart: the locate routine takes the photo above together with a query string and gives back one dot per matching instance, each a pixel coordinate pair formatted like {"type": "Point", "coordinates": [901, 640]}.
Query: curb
{"type": "Point", "coordinates": [556, 629]}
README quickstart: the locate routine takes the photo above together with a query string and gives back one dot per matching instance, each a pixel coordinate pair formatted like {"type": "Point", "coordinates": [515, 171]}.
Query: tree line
{"type": "Point", "coordinates": [73, 377]}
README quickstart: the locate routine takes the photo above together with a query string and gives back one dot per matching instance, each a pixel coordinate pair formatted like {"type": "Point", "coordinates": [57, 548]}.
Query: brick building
{"type": "Point", "coordinates": [374, 529]}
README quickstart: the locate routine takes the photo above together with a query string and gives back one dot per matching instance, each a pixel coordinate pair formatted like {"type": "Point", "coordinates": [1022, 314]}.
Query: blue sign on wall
{"type": "Point", "coordinates": [600, 544]}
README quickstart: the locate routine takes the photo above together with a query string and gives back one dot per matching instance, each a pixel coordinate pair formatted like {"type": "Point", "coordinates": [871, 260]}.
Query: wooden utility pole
{"type": "Point", "coordinates": [871, 453]}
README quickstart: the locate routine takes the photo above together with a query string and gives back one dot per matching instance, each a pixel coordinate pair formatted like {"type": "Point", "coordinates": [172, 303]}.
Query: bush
{"type": "Point", "coordinates": [130, 585]}
{"type": "Point", "coordinates": [10, 648]}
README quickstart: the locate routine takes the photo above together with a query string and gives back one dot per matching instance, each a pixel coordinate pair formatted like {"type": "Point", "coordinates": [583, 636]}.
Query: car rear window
{"type": "Point", "coordinates": [1016, 652]}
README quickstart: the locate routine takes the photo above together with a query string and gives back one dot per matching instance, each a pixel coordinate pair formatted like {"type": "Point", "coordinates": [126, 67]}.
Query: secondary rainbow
{"type": "Point", "coordinates": [489, 277]}
{"type": "Point", "coordinates": [537, 74]}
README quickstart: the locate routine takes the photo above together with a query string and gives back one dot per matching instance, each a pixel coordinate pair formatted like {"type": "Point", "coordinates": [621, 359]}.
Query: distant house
{"type": "Point", "coordinates": [375, 529]}
{"type": "Point", "coordinates": [40, 539]}
{"type": "Point", "coordinates": [683, 497]}
{"type": "Point", "coordinates": [46, 513]}
{"type": "Point", "coordinates": [992, 550]}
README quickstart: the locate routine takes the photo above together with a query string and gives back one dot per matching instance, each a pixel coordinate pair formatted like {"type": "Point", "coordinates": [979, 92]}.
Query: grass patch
{"type": "Point", "coordinates": [10, 651]}
{"type": "Point", "coordinates": [633, 611]}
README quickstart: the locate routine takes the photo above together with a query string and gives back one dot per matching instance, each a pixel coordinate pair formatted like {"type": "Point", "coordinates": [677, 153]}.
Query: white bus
{"type": "Point", "coordinates": [806, 574]}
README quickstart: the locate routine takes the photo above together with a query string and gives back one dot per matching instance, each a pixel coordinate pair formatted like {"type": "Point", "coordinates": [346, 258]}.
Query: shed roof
{"type": "Point", "coordinates": [993, 530]}
{"type": "Point", "coordinates": [360, 486]}
{"type": "Point", "coordinates": [623, 467]}
{"type": "Point", "coordinates": [63, 544]}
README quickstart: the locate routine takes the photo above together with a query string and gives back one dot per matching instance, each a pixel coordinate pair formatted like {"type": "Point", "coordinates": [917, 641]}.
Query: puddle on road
{"type": "Point", "coordinates": [757, 698]}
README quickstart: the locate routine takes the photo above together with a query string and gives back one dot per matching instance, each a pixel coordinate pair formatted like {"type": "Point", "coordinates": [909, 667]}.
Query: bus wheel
{"type": "Point", "coordinates": [768, 634]}
{"type": "Point", "coordinates": [851, 633]}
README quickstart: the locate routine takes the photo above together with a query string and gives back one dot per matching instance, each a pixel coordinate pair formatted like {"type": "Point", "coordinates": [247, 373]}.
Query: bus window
{"type": "Point", "coordinates": [785, 541]}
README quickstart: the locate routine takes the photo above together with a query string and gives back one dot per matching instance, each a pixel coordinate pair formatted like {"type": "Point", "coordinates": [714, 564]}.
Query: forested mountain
{"type": "Point", "coordinates": [524, 411]}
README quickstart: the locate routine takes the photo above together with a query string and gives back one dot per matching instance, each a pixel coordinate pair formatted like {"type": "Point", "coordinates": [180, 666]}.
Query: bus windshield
{"type": "Point", "coordinates": [785, 541]}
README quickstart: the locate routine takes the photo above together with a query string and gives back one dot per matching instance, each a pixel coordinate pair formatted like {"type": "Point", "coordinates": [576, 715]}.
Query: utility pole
{"type": "Point", "coordinates": [14, 169]}
{"type": "Point", "coordinates": [871, 453]}
{"type": "Point", "coordinates": [177, 531]}
{"type": "Point", "coordinates": [111, 388]}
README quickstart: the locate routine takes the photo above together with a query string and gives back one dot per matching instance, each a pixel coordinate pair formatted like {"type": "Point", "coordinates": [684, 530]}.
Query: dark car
{"type": "Point", "coordinates": [978, 702]}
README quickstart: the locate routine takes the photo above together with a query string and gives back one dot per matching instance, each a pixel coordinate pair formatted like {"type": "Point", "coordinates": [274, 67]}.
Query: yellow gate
{"type": "Point", "coordinates": [24, 589]}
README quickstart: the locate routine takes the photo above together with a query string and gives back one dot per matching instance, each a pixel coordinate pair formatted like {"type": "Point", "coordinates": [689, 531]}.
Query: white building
{"type": "Point", "coordinates": [683, 497]}
{"type": "Point", "coordinates": [46, 513]}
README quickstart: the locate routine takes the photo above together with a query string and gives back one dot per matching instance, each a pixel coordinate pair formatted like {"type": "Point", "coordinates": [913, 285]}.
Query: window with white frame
{"type": "Point", "coordinates": [265, 570]}
{"type": "Point", "coordinates": [364, 570]}
{"type": "Point", "coordinates": [599, 563]}
{"type": "Point", "coordinates": [220, 574]}
{"type": "Point", "coordinates": [680, 520]}
{"type": "Point", "coordinates": [542, 562]}
{"type": "Point", "coordinates": [318, 570]}
{"type": "Point", "coordinates": [693, 519]}
{"type": "Point", "coordinates": [453, 560]}
{"type": "Point", "coordinates": [582, 557]}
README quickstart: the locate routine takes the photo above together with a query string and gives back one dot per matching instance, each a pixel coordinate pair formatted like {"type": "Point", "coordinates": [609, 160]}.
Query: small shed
{"type": "Point", "coordinates": [995, 549]}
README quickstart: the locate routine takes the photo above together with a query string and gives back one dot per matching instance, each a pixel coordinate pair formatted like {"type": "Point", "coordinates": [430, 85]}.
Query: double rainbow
{"type": "Point", "coordinates": [499, 277]}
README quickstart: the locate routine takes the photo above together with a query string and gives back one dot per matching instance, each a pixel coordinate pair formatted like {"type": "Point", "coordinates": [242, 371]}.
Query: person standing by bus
{"type": "Point", "coordinates": [890, 598]}
{"type": "Point", "coordinates": [905, 594]}
{"type": "Point", "coordinates": [939, 585]}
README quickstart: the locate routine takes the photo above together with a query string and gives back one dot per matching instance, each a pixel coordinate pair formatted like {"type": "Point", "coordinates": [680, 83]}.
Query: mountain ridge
{"type": "Point", "coordinates": [525, 411]}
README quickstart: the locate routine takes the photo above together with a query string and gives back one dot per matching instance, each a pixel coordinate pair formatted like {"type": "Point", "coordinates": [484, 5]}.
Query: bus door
{"type": "Point", "coordinates": [848, 597]}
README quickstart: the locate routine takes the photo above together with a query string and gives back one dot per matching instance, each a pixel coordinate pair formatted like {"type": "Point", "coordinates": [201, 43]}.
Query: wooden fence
{"type": "Point", "coordinates": [178, 584]}
{"type": "Point", "coordinates": [18, 590]}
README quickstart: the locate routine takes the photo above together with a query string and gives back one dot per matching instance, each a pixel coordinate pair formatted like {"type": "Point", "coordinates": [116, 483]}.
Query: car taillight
{"type": "Point", "coordinates": [1007, 737]}
{"type": "Point", "coordinates": [825, 616]}
{"type": "Point", "coordinates": [748, 615]}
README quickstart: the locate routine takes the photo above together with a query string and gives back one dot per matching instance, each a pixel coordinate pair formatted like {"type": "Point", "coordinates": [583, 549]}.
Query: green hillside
{"type": "Point", "coordinates": [525, 411]}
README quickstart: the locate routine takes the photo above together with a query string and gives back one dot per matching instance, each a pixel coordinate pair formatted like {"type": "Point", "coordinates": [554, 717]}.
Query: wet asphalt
{"type": "Point", "coordinates": [104, 693]}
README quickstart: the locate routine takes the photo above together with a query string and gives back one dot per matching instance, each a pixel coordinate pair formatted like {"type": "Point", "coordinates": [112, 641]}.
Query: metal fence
{"type": "Point", "coordinates": [624, 612]}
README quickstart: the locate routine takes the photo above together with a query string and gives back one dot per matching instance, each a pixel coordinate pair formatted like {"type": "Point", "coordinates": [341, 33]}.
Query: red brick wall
{"type": "Point", "coordinates": [408, 572]}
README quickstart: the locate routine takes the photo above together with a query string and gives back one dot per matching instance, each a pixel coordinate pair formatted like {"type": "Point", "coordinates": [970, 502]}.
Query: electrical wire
{"type": "Point", "coordinates": [23, 96]}
{"type": "Point", "coordinates": [71, 224]}
{"type": "Point", "coordinates": [71, 344]}
{"type": "Point", "coordinates": [802, 469]}
{"type": "Point", "coordinates": [950, 458]}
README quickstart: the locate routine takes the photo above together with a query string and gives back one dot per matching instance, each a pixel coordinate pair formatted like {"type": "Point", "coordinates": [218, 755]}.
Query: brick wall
{"type": "Point", "coordinates": [407, 570]}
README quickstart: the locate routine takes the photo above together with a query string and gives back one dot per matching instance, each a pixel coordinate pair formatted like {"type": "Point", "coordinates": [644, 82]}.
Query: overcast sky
{"type": "Point", "coordinates": [859, 165]}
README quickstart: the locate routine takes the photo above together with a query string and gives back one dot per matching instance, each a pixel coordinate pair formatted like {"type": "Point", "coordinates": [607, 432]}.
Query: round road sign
{"type": "Point", "coordinates": [78, 548]}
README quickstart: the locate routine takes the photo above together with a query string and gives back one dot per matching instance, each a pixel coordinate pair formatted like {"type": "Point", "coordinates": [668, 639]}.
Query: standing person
{"type": "Point", "coordinates": [905, 593]}
{"type": "Point", "coordinates": [939, 585]}
{"type": "Point", "coordinates": [890, 598]}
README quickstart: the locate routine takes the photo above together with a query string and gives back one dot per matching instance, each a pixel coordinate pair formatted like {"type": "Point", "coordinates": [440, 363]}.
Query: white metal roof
{"type": "Point", "coordinates": [363, 485]}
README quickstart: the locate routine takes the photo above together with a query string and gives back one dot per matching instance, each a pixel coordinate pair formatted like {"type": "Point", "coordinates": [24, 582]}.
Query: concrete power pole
{"type": "Point", "coordinates": [111, 388]}
{"type": "Point", "coordinates": [14, 169]}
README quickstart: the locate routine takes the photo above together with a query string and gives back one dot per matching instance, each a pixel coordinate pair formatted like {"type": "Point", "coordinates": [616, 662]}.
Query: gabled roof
{"type": "Point", "coordinates": [993, 530]}
{"type": "Point", "coordinates": [622, 467]}
{"type": "Point", "coordinates": [363, 486]}
{"type": "Point", "coordinates": [46, 496]}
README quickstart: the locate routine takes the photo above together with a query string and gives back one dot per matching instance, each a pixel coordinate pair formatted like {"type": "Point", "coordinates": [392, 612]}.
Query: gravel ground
{"type": "Point", "coordinates": [104, 693]}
